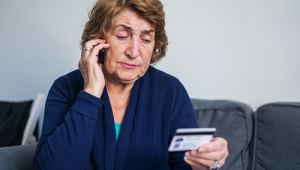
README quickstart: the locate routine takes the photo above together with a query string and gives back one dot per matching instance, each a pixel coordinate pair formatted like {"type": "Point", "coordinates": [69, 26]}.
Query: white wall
{"type": "Point", "coordinates": [240, 50]}
{"type": "Point", "coordinates": [39, 41]}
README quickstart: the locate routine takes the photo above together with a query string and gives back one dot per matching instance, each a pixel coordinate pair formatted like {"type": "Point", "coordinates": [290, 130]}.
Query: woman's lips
{"type": "Point", "coordinates": [128, 65]}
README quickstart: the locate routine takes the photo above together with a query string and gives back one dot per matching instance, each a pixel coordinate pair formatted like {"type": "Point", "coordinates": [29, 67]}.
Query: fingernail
{"type": "Point", "coordinates": [194, 152]}
{"type": "Point", "coordinates": [186, 154]}
{"type": "Point", "coordinates": [201, 150]}
{"type": "Point", "coordinates": [185, 158]}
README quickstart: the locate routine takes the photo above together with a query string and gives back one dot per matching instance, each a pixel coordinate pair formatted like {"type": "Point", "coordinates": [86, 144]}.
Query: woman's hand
{"type": "Point", "coordinates": [90, 69]}
{"type": "Point", "coordinates": [208, 154]}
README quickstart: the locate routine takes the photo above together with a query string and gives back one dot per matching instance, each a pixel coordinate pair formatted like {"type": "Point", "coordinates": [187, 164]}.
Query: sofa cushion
{"type": "Point", "coordinates": [233, 121]}
{"type": "Point", "coordinates": [17, 157]}
{"type": "Point", "coordinates": [13, 119]}
{"type": "Point", "coordinates": [277, 137]}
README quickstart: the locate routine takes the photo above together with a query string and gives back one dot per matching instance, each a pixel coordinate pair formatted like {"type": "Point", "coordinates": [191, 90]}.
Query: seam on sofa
{"type": "Point", "coordinates": [254, 140]}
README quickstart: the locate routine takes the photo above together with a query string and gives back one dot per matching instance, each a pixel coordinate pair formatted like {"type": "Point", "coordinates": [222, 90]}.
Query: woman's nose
{"type": "Point", "coordinates": [133, 49]}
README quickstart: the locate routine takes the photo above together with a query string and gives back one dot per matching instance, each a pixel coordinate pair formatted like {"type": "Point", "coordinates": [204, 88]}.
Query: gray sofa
{"type": "Point", "coordinates": [267, 139]}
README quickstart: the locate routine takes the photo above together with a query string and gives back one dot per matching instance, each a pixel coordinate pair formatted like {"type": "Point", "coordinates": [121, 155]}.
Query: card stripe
{"type": "Point", "coordinates": [194, 133]}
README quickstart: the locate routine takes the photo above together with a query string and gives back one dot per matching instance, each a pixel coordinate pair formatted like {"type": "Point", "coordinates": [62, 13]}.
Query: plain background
{"type": "Point", "coordinates": [247, 51]}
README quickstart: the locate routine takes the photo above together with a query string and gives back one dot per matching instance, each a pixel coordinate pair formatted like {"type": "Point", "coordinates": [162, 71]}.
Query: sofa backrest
{"type": "Point", "coordinates": [233, 121]}
{"type": "Point", "coordinates": [276, 139]}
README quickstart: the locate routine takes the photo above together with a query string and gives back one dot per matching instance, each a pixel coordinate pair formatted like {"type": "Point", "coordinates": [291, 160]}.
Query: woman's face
{"type": "Point", "coordinates": [132, 41]}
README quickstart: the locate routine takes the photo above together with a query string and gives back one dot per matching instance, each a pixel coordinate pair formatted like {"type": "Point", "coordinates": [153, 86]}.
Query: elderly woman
{"type": "Point", "coordinates": [121, 114]}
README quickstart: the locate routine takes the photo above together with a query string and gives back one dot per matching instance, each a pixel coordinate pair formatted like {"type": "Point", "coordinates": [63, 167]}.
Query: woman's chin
{"type": "Point", "coordinates": [128, 79]}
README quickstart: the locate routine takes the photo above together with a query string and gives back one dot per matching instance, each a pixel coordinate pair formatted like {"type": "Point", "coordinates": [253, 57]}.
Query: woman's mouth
{"type": "Point", "coordinates": [127, 65]}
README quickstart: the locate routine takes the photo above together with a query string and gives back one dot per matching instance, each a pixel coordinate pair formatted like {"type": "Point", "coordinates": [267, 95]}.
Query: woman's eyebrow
{"type": "Point", "coordinates": [124, 26]}
{"type": "Point", "coordinates": [147, 31]}
{"type": "Point", "coordinates": [128, 28]}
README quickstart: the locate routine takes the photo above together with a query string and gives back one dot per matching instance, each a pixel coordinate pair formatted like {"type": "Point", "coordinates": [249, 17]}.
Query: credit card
{"type": "Point", "coordinates": [186, 139]}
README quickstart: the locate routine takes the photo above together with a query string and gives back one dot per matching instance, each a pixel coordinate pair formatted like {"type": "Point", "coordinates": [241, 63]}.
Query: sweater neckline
{"type": "Point", "coordinates": [117, 149]}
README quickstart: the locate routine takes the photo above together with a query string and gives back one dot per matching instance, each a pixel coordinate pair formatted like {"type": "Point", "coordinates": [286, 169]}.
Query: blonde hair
{"type": "Point", "coordinates": [102, 13]}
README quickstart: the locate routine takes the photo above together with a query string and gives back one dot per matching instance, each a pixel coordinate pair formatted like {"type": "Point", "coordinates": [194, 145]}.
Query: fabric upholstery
{"type": "Point", "coordinates": [276, 137]}
{"type": "Point", "coordinates": [17, 157]}
{"type": "Point", "coordinates": [275, 144]}
{"type": "Point", "coordinates": [233, 122]}
{"type": "Point", "coordinates": [13, 119]}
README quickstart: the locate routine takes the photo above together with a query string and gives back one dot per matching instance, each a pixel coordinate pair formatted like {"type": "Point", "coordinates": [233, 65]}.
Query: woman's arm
{"type": "Point", "coordinates": [183, 117]}
{"type": "Point", "coordinates": [68, 128]}
{"type": "Point", "coordinates": [208, 154]}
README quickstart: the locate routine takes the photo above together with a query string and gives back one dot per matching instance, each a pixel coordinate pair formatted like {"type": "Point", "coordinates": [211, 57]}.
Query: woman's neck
{"type": "Point", "coordinates": [114, 89]}
{"type": "Point", "coordinates": [119, 96]}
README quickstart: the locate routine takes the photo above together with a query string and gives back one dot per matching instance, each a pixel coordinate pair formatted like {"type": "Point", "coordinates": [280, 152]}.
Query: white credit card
{"type": "Point", "coordinates": [190, 138]}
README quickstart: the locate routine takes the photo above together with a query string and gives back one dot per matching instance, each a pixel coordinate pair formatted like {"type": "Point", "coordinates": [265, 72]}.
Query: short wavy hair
{"type": "Point", "coordinates": [103, 11]}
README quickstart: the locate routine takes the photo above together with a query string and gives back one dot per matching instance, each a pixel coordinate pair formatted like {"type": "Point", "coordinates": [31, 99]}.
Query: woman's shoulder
{"type": "Point", "coordinates": [168, 86]}
{"type": "Point", "coordinates": [73, 77]}
{"type": "Point", "coordinates": [70, 83]}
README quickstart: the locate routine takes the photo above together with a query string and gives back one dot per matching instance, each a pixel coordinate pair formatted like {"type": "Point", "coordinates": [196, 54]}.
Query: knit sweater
{"type": "Point", "coordinates": [79, 132]}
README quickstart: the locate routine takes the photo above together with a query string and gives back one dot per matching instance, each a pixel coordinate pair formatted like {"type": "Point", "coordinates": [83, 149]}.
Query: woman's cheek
{"type": "Point", "coordinates": [116, 45]}
{"type": "Point", "coordinates": [148, 49]}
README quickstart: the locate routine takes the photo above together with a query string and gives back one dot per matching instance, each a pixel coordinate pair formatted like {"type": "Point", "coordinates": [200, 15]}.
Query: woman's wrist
{"type": "Point", "coordinates": [94, 90]}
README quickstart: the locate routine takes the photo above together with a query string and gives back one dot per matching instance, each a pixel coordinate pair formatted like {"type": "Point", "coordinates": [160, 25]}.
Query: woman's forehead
{"type": "Point", "coordinates": [129, 20]}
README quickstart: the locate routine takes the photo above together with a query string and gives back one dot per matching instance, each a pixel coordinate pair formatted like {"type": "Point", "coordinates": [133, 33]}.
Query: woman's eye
{"type": "Point", "coordinates": [122, 37]}
{"type": "Point", "coordinates": [146, 41]}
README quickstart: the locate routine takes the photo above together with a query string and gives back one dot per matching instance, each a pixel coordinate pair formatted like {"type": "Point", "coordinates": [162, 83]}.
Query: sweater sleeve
{"type": "Point", "coordinates": [183, 117]}
{"type": "Point", "coordinates": [68, 128]}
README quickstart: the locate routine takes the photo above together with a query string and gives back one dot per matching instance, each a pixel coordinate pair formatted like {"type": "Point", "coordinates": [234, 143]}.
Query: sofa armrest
{"type": "Point", "coordinates": [17, 157]}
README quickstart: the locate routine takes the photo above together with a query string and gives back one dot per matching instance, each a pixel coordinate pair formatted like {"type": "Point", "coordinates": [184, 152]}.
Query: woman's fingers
{"type": "Point", "coordinates": [89, 67]}
{"type": "Point", "coordinates": [202, 164]}
{"type": "Point", "coordinates": [92, 43]}
{"type": "Point", "coordinates": [97, 48]}
{"type": "Point", "coordinates": [195, 165]}
{"type": "Point", "coordinates": [90, 54]}
{"type": "Point", "coordinates": [216, 144]}
{"type": "Point", "coordinates": [208, 154]}
{"type": "Point", "coordinates": [201, 161]}
{"type": "Point", "coordinates": [86, 51]}
{"type": "Point", "coordinates": [88, 46]}
{"type": "Point", "coordinates": [215, 155]}
{"type": "Point", "coordinates": [206, 162]}
{"type": "Point", "coordinates": [90, 51]}
{"type": "Point", "coordinates": [217, 149]}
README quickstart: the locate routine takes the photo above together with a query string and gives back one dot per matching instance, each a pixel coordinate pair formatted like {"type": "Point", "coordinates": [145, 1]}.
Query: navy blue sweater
{"type": "Point", "coordinates": [79, 133]}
